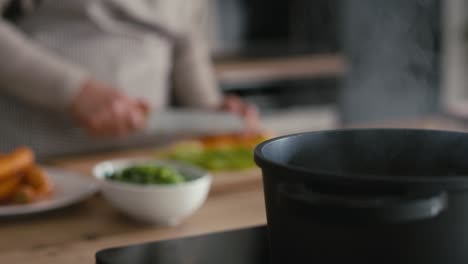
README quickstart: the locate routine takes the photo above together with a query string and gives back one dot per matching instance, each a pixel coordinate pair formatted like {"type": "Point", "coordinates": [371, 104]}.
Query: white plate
{"type": "Point", "coordinates": [69, 188]}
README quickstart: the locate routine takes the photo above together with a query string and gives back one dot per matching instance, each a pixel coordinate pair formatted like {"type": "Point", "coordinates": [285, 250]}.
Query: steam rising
{"type": "Point", "coordinates": [392, 53]}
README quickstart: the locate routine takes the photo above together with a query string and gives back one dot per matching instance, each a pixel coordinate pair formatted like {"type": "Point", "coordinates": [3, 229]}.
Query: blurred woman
{"type": "Point", "coordinates": [71, 68]}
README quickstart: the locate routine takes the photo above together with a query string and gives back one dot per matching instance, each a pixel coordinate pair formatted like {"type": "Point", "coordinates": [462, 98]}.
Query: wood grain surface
{"type": "Point", "coordinates": [75, 234]}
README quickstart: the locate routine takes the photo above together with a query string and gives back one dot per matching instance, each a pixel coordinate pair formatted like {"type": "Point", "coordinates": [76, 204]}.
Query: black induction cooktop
{"type": "Point", "coordinates": [246, 246]}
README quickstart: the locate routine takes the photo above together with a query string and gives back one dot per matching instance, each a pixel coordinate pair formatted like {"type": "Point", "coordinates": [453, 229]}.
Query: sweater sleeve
{"type": "Point", "coordinates": [195, 84]}
{"type": "Point", "coordinates": [3, 4]}
{"type": "Point", "coordinates": [33, 74]}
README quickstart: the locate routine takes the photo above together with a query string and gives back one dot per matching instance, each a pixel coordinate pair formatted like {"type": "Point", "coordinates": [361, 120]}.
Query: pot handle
{"type": "Point", "coordinates": [399, 208]}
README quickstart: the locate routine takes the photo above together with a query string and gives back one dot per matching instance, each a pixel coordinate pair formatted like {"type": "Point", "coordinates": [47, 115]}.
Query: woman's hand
{"type": "Point", "coordinates": [248, 112]}
{"type": "Point", "coordinates": [104, 111]}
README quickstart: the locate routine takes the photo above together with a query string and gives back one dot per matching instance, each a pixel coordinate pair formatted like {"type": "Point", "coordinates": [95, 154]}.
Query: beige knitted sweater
{"type": "Point", "coordinates": [143, 47]}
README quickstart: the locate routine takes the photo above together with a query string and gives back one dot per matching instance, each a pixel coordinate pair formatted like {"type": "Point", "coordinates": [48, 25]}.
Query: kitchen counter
{"type": "Point", "coordinates": [75, 234]}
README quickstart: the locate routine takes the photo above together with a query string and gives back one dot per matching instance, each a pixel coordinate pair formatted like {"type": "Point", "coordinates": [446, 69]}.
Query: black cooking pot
{"type": "Point", "coordinates": [367, 196]}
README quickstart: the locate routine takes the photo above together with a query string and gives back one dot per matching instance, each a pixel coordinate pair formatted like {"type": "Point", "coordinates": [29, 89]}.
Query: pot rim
{"type": "Point", "coordinates": [459, 182]}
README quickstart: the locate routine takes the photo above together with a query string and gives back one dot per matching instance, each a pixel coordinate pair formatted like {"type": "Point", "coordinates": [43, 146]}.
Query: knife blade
{"type": "Point", "coordinates": [190, 122]}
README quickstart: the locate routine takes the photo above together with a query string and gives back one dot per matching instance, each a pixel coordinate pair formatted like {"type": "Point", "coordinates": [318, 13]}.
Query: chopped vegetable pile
{"type": "Point", "coordinates": [214, 159]}
{"type": "Point", "coordinates": [148, 174]}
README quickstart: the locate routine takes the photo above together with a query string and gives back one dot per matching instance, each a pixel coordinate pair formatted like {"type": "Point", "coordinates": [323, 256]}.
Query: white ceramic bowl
{"type": "Point", "coordinates": [157, 204]}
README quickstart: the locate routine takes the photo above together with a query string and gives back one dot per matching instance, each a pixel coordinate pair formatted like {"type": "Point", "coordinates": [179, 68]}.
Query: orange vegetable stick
{"type": "Point", "coordinates": [38, 179]}
{"type": "Point", "coordinates": [14, 162]}
{"type": "Point", "coordinates": [25, 194]}
{"type": "Point", "coordinates": [9, 187]}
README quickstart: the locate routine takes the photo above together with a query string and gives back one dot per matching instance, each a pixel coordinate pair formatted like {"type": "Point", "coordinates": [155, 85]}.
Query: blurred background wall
{"type": "Point", "coordinates": [357, 61]}
{"type": "Point", "coordinates": [281, 55]}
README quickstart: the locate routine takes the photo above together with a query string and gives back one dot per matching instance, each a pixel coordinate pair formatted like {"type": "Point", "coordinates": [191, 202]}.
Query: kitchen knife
{"type": "Point", "coordinates": [190, 122]}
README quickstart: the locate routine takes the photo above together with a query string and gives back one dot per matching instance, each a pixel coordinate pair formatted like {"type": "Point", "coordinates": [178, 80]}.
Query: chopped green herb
{"type": "Point", "coordinates": [148, 174]}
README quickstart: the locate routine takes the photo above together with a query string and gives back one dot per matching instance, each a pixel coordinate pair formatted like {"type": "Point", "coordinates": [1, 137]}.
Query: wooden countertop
{"type": "Point", "coordinates": [75, 234]}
